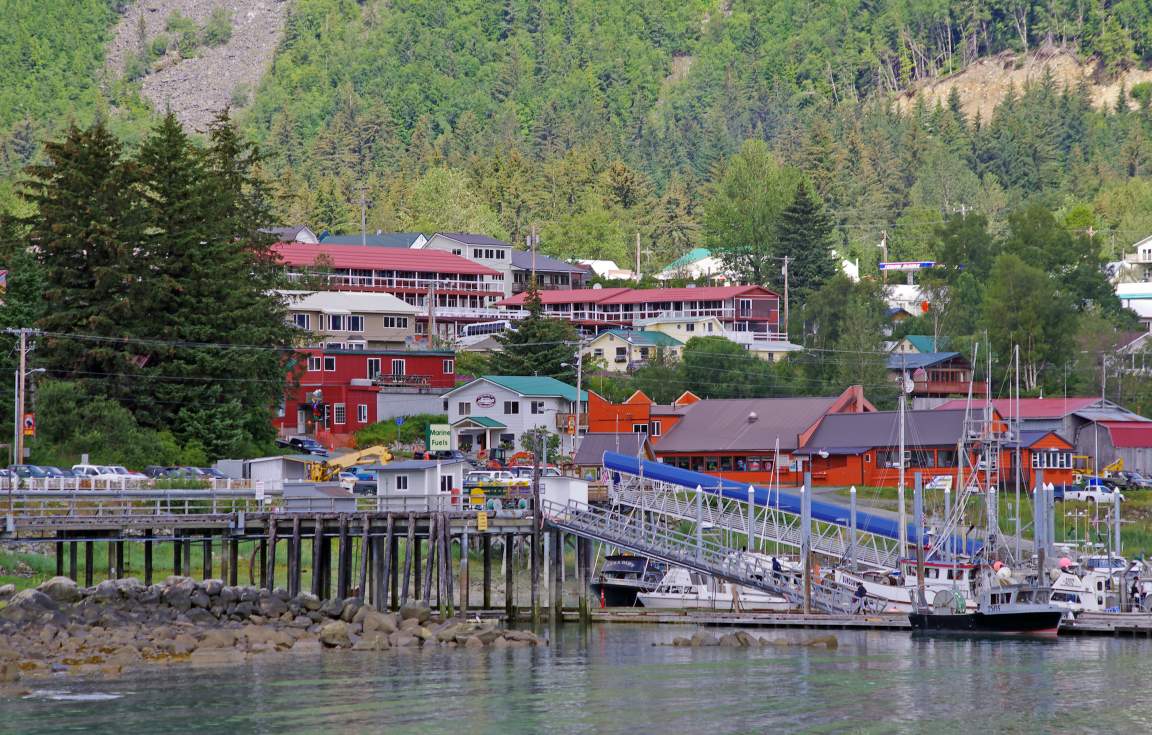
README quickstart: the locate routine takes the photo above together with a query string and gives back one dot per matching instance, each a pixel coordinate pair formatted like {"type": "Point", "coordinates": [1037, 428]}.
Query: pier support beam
{"type": "Point", "coordinates": [409, 544]}
{"type": "Point", "coordinates": [445, 567]}
{"type": "Point", "coordinates": [343, 560]}
{"type": "Point", "coordinates": [262, 562]}
{"type": "Point", "coordinates": [148, 558]}
{"type": "Point", "coordinates": [465, 582]}
{"type": "Point", "coordinates": [233, 561]}
{"type": "Point", "coordinates": [188, 555]}
{"type": "Point", "coordinates": [60, 554]}
{"type": "Point", "coordinates": [73, 567]}
{"type": "Point", "coordinates": [365, 555]}
{"type": "Point", "coordinates": [120, 560]}
{"type": "Point", "coordinates": [89, 560]}
{"type": "Point", "coordinates": [317, 555]}
{"type": "Point", "coordinates": [110, 562]}
{"type": "Point", "coordinates": [206, 550]}
{"type": "Point", "coordinates": [394, 571]}
{"type": "Point", "coordinates": [382, 563]}
{"type": "Point", "coordinates": [556, 583]}
{"type": "Point", "coordinates": [582, 578]}
{"type": "Point", "coordinates": [486, 549]}
{"type": "Point", "coordinates": [294, 558]}
{"type": "Point", "coordinates": [426, 596]}
{"type": "Point", "coordinates": [509, 577]}
{"type": "Point", "coordinates": [269, 565]}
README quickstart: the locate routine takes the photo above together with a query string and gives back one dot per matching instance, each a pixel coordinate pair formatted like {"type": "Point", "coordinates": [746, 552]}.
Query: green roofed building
{"type": "Point", "coordinates": [623, 350]}
{"type": "Point", "coordinates": [493, 412]}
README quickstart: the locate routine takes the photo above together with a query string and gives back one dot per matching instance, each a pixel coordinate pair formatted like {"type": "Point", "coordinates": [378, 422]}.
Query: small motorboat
{"type": "Point", "coordinates": [623, 576]}
{"type": "Point", "coordinates": [683, 589]}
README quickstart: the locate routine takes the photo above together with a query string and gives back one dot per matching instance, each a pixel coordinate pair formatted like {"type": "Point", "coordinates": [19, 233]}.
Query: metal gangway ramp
{"type": "Point", "coordinates": [632, 532]}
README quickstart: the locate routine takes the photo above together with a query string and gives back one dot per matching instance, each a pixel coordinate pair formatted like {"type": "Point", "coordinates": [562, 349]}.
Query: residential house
{"type": "Point", "coordinates": [352, 320]}
{"type": "Point", "coordinates": [607, 269]}
{"type": "Point", "coordinates": [696, 263]}
{"type": "Point", "coordinates": [463, 292]}
{"type": "Point", "coordinates": [863, 449]}
{"type": "Point", "coordinates": [1137, 297]}
{"type": "Point", "coordinates": [754, 310]}
{"type": "Point", "coordinates": [920, 344]}
{"type": "Point", "coordinates": [278, 469]}
{"type": "Point", "coordinates": [638, 414]}
{"type": "Point", "coordinates": [685, 328]}
{"type": "Point", "coordinates": [624, 350]}
{"type": "Point", "coordinates": [936, 376]}
{"type": "Point", "coordinates": [333, 393]}
{"type": "Point", "coordinates": [496, 255]}
{"type": "Point", "coordinates": [300, 233]}
{"type": "Point", "coordinates": [494, 411]}
{"type": "Point", "coordinates": [378, 239]}
{"type": "Point", "coordinates": [1137, 265]}
{"type": "Point", "coordinates": [551, 274]}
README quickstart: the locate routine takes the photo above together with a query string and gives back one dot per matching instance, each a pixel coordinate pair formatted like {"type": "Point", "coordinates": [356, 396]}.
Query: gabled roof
{"type": "Point", "coordinates": [531, 386]}
{"type": "Point", "coordinates": [358, 257]}
{"type": "Point", "coordinates": [379, 239]}
{"type": "Point", "coordinates": [641, 295]}
{"type": "Point", "coordinates": [724, 425]}
{"type": "Point", "coordinates": [1030, 408]}
{"type": "Point", "coordinates": [565, 296]}
{"type": "Point", "coordinates": [469, 238]}
{"type": "Point", "coordinates": [912, 361]}
{"type": "Point", "coordinates": [593, 446]}
{"type": "Point", "coordinates": [1129, 434]}
{"type": "Point", "coordinates": [839, 431]}
{"type": "Point", "coordinates": [1029, 439]}
{"type": "Point", "coordinates": [642, 339]}
{"type": "Point", "coordinates": [335, 302]}
{"type": "Point", "coordinates": [522, 259]}
{"type": "Point", "coordinates": [689, 258]}
{"type": "Point", "coordinates": [924, 343]}
{"type": "Point", "coordinates": [484, 421]}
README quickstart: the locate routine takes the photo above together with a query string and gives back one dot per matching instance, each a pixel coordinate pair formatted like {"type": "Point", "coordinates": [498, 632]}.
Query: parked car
{"type": "Point", "coordinates": [1057, 492]}
{"type": "Point", "coordinates": [304, 445]}
{"type": "Point", "coordinates": [94, 472]}
{"type": "Point", "coordinates": [29, 471]}
{"type": "Point", "coordinates": [1136, 481]}
{"type": "Point", "coordinates": [58, 472]}
{"type": "Point", "coordinates": [1093, 493]}
{"type": "Point", "coordinates": [126, 473]}
{"type": "Point", "coordinates": [448, 455]}
{"type": "Point", "coordinates": [525, 473]}
{"type": "Point", "coordinates": [184, 473]}
{"type": "Point", "coordinates": [156, 470]}
{"type": "Point", "coordinates": [211, 473]}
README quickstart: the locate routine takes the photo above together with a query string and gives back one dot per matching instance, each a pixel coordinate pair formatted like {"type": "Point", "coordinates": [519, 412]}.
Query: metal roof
{"type": "Point", "coordinates": [642, 338]}
{"type": "Point", "coordinates": [484, 421]}
{"type": "Point", "coordinates": [413, 464]}
{"type": "Point", "coordinates": [689, 258]}
{"type": "Point", "coordinates": [565, 296]}
{"type": "Point", "coordinates": [346, 302]}
{"type": "Point", "coordinates": [522, 259]}
{"type": "Point", "coordinates": [379, 239]}
{"type": "Point", "coordinates": [840, 431]}
{"type": "Point", "coordinates": [1030, 408]}
{"type": "Point", "coordinates": [703, 293]}
{"type": "Point", "coordinates": [593, 447]}
{"type": "Point", "coordinates": [358, 257]}
{"type": "Point", "coordinates": [1129, 434]}
{"type": "Point", "coordinates": [912, 361]}
{"type": "Point", "coordinates": [530, 386]}
{"type": "Point", "coordinates": [723, 425]}
{"type": "Point", "coordinates": [469, 238]}
{"type": "Point", "coordinates": [924, 343]}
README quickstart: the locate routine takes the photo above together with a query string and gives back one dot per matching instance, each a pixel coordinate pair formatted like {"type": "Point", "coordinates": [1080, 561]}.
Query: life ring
{"type": "Point", "coordinates": [522, 504]}
{"type": "Point", "coordinates": [494, 504]}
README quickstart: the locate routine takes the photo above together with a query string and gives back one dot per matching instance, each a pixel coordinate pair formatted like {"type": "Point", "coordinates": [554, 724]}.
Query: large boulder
{"type": "Point", "coordinates": [60, 589]}
{"type": "Point", "coordinates": [213, 586]}
{"type": "Point", "coordinates": [307, 601]}
{"type": "Point", "coordinates": [417, 611]}
{"type": "Point", "coordinates": [31, 600]}
{"type": "Point", "coordinates": [218, 638]}
{"type": "Point", "coordinates": [379, 621]}
{"type": "Point", "coordinates": [178, 596]}
{"type": "Point", "coordinates": [200, 598]}
{"type": "Point", "coordinates": [272, 606]}
{"type": "Point", "coordinates": [350, 608]}
{"type": "Point", "coordinates": [106, 591]}
{"type": "Point", "coordinates": [336, 634]}
{"type": "Point", "coordinates": [332, 608]}
{"type": "Point", "coordinates": [375, 641]}
{"type": "Point", "coordinates": [700, 638]}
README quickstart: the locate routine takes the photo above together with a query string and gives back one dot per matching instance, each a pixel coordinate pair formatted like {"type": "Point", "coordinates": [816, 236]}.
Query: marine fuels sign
{"type": "Point", "coordinates": [439, 437]}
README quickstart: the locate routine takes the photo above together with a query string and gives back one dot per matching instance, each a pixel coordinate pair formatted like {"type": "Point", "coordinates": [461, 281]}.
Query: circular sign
{"type": "Point", "coordinates": [486, 400]}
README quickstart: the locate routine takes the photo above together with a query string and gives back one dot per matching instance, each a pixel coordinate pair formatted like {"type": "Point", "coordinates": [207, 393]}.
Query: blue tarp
{"type": "Point", "coordinates": [787, 502]}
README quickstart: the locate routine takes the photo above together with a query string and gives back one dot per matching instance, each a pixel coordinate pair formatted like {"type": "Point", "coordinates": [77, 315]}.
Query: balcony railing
{"type": "Point", "coordinates": [937, 387]}
{"type": "Point", "coordinates": [755, 338]}
{"type": "Point", "coordinates": [1145, 258]}
{"type": "Point", "coordinates": [384, 284]}
{"type": "Point", "coordinates": [479, 313]}
{"type": "Point", "coordinates": [562, 420]}
{"type": "Point", "coordinates": [408, 381]}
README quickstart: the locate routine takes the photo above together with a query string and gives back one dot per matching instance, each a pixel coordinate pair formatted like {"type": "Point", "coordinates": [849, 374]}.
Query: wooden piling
{"type": "Point", "coordinates": [445, 565]}
{"type": "Point", "coordinates": [427, 596]}
{"type": "Point", "coordinates": [89, 560]}
{"type": "Point", "coordinates": [177, 558]}
{"type": "Point", "coordinates": [509, 576]}
{"type": "Point", "coordinates": [262, 561]}
{"type": "Point", "coordinates": [382, 562]}
{"type": "Point", "coordinates": [294, 558]}
{"type": "Point", "coordinates": [188, 555]}
{"type": "Point", "coordinates": [317, 555]}
{"type": "Point", "coordinates": [73, 567]}
{"type": "Point", "coordinates": [110, 560]}
{"type": "Point", "coordinates": [343, 559]}
{"type": "Point", "coordinates": [408, 551]}
{"type": "Point", "coordinates": [393, 571]}
{"type": "Point", "coordinates": [121, 560]}
{"type": "Point", "coordinates": [486, 549]}
{"type": "Point", "coordinates": [268, 571]}
{"type": "Point", "coordinates": [417, 547]}
{"type": "Point", "coordinates": [555, 584]}
{"type": "Point", "coordinates": [60, 554]}
{"type": "Point", "coordinates": [465, 582]}
{"type": "Point", "coordinates": [148, 558]}
{"type": "Point", "coordinates": [365, 554]}
{"type": "Point", "coordinates": [233, 560]}
{"type": "Point", "coordinates": [535, 560]}
{"type": "Point", "coordinates": [207, 561]}
{"type": "Point", "coordinates": [326, 567]}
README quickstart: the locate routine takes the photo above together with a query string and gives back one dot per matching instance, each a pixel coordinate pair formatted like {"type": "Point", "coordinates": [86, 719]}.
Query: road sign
{"type": "Point", "coordinates": [399, 420]}
{"type": "Point", "coordinates": [439, 437]}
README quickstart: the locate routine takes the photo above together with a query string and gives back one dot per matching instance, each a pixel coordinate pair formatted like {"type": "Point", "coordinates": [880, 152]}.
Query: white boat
{"type": "Point", "coordinates": [682, 589]}
{"type": "Point", "coordinates": [895, 592]}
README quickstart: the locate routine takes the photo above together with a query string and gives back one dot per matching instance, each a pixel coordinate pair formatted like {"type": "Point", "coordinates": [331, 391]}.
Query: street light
{"type": "Point", "coordinates": [18, 414]}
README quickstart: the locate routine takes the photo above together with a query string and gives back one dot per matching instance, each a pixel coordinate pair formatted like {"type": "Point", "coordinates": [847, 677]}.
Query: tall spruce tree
{"type": "Point", "coordinates": [804, 235]}
{"type": "Point", "coordinates": [539, 346]}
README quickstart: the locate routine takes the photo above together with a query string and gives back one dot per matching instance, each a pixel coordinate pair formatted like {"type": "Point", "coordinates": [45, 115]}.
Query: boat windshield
{"type": "Point", "coordinates": [625, 566]}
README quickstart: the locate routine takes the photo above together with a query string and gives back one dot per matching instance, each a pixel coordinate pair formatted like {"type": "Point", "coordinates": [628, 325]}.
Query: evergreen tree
{"type": "Point", "coordinates": [539, 346]}
{"type": "Point", "coordinates": [804, 236]}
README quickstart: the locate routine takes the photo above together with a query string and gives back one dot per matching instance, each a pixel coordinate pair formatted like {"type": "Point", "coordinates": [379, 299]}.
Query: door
{"type": "Point", "coordinates": [301, 421]}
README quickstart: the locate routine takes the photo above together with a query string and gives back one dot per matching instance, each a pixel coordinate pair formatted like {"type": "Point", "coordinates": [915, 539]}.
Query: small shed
{"type": "Point", "coordinates": [418, 484]}
{"type": "Point", "coordinates": [302, 497]}
{"type": "Point", "coordinates": [281, 468]}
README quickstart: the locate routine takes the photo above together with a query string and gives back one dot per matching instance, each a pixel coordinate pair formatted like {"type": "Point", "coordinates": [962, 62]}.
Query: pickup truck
{"type": "Point", "coordinates": [1094, 493]}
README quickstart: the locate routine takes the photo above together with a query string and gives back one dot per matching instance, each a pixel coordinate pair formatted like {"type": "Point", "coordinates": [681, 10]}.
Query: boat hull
{"type": "Point", "coordinates": [661, 601]}
{"type": "Point", "coordinates": [1038, 624]}
{"type": "Point", "coordinates": [619, 593]}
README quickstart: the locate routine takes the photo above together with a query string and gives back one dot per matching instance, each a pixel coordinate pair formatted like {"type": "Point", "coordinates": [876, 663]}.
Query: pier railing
{"type": "Point", "coordinates": [634, 532]}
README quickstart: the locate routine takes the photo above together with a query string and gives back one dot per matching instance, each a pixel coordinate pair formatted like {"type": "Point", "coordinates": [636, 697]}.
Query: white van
{"type": "Point", "coordinates": [95, 472]}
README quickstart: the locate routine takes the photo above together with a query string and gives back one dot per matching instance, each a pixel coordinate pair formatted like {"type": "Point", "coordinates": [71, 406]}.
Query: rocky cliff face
{"type": "Point", "coordinates": [215, 77]}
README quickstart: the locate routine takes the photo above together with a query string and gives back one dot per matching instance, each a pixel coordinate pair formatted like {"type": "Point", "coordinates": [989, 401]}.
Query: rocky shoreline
{"type": "Point", "coordinates": [60, 628]}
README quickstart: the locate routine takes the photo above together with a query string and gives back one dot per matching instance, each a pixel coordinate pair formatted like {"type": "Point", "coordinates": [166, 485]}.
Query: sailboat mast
{"type": "Point", "coordinates": [903, 514]}
{"type": "Point", "coordinates": [1019, 468]}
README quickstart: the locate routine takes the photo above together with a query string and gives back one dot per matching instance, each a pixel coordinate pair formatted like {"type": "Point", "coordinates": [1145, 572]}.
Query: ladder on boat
{"type": "Point", "coordinates": [633, 532]}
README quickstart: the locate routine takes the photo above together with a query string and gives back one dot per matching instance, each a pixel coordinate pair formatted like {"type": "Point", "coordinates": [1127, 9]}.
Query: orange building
{"type": "Point", "coordinates": [749, 440]}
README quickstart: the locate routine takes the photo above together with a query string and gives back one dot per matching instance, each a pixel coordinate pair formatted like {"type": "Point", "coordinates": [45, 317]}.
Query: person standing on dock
{"type": "Point", "coordinates": [859, 596]}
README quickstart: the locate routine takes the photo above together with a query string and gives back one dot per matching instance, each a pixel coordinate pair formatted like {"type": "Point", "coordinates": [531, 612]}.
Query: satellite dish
{"type": "Point", "coordinates": [908, 384]}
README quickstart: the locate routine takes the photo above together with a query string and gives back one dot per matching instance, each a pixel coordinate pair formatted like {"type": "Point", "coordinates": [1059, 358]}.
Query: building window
{"type": "Point", "coordinates": [477, 253]}
{"type": "Point", "coordinates": [373, 367]}
{"type": "Point", "coordinates": [314, 363]}
{"type": "Point", "coordinates": [654, 428]}
{"type": "Point", "coordinates": [689, 327]}
{"type": "Point", "coordinates": [395, 322]}
{"type": "Point", "coordinates": [639, 428]}
{"type": "Point", "coordinates": [597, 352]}
{"type": "Point", "coordinates": [338, 414]}
{"type": "Point", "coordinates": [464, 408]}
{"type": "Point", "coordinates": [457, 251]}
{"type": "Point", "coordinates": [1048, 460]}
{"type": "Point", "coordinates": [449, 367]}
{"type": "Point", "coordinates": [362, 413]}
{"type": "Point", "coordinates": [511, 407]}
{"type": "Point", "coordinates": [354, 323]}
{"type": "Point", "coordinates": [336, 322]}
{"type": "Point", "coordinates": [508, 439]}
{"type": "Point", "coordinates": [398, 367]}
{"type": "Point", "coordinates": [537, 407]}
{"type": "Point", "coordinates": [402, 483]}
{"type": "Point", "coordinates": [329, 364]}
{"type": "Point", "coordinates": [421, 328]}
{"type": "Point", "coordinates": [304, 321]}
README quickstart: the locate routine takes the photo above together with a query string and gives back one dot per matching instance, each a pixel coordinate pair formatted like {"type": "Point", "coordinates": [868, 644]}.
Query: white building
{"type": "Point", "coordinates": [696, 263]}
{"type": "Point", "coordinates": [487, 251]}
{"type": "Point", "coordinates": [353, 320]}
{"type": "Point", "coordinates": [496, 410]}
{"type": "Point", "coordinates": [419, 484]}
{"type": "Point", "coordinates": [608, 269]}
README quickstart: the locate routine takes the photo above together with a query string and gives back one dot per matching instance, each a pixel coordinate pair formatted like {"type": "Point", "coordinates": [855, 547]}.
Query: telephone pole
{"type": "Point", "coordinates": [20, 384]}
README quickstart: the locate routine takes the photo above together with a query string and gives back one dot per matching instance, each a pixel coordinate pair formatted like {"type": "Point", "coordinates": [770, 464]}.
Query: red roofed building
{"type": "Point", "coordinates": [752, 309]}
{"type": "Point", "coordinates": [465, 291]}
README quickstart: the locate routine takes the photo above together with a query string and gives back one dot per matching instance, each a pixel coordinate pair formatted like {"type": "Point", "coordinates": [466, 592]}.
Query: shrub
{"type": "Point", "coordinates": [218, 29]}
{"type": "Point", "coordinates": [184, 30]}
{"type": "Point", "coordinates": [240, 95]}
{"type": "Point", "coordinates": [159, 45]}
{"type": "Point", "coordinates": [135, 67]}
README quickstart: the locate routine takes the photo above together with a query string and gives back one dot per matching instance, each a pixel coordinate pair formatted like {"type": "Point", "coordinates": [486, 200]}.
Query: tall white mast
{"type": "Point", "coordinates": [903, 515]}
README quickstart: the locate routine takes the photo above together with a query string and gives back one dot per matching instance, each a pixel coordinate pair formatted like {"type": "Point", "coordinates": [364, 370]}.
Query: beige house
{"type": "Point", "coordinates": [350, 320]}
{"type": "Point", "coordinates": [622, 350]}
{"type": "Point", "coordinates": [684, 328]}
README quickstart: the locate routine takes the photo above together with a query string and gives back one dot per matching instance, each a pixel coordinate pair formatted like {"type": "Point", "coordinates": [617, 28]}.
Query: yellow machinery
{"type": "Point", "coordinates": [328, 469]}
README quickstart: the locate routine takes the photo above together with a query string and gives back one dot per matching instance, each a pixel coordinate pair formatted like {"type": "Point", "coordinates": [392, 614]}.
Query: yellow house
{"type": "Point", "coordinates": [685, 328]}
{"type": "Point", "coordinates": [621, 350]}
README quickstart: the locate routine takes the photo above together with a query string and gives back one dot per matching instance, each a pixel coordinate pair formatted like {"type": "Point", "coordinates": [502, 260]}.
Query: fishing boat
{"type": "Point", "coordinates": [623, 576]}
{"type": "Point", "coordinates": [894, 591]}
{"type": "Point", "coordinates": [682, 589]}
{"type": "Point", "coordinates": [1001, 610]}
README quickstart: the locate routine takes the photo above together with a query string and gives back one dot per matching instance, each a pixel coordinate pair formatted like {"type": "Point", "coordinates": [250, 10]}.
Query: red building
{"type": "Point", "coordinates": [335, 393]}
{"type": "Point", "coordinates": [463, 292]}
{"type": "Point", "coordinates": [752, 309]}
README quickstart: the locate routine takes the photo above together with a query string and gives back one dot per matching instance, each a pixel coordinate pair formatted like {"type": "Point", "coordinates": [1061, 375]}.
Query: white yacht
{"type": "Point", "coordinates": [895, 592]}
{"type": "Point", "coordinates": [682, 589]}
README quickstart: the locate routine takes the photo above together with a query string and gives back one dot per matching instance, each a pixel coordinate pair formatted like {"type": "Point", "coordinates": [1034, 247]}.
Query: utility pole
{"type": "Point", "coordinates": [363, 217]}
{"type": "Point", "coordinates": [902, 514]}
{"type": "Point", "coordinates": [784, 271]}
{"type": "Point", "coordinates": [18, 409]}
{"type": "Point", "coordinates": [579, 381]}
{"type": "Point", "coordinates": [637, 256]}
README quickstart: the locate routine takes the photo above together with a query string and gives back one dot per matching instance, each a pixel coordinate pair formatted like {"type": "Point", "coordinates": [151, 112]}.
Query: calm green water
{"type": "Point", "coordinates": [611, 679]}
